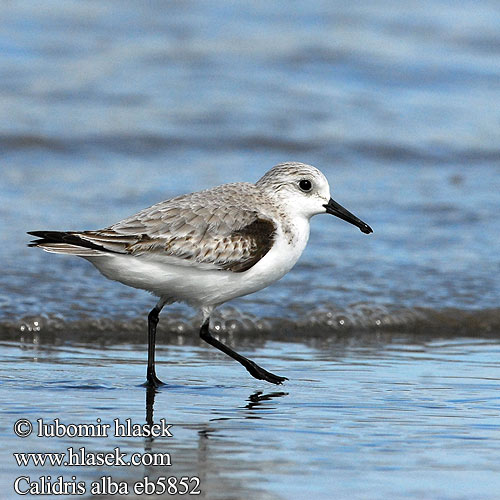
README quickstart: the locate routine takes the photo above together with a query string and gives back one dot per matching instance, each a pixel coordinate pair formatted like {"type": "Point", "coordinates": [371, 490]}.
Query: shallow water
{"type": "Point", "coordinates": [390, 340]}
{"type": "Point", "coordinates": [395, 417]}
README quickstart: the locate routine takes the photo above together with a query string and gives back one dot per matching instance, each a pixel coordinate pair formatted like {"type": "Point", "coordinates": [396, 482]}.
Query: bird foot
{"type": "Point", "coordinates": [153, 381]}
{"type": "Point", "coordinates": [259, 373]}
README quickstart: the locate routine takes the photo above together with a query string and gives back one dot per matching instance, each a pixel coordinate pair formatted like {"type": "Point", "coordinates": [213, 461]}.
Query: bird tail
{"type": "Point", "coordinates": [66, 242]}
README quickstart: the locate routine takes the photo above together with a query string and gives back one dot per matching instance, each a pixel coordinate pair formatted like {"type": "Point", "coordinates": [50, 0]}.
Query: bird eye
{"type": "Point", "coordinates": [305, 185]}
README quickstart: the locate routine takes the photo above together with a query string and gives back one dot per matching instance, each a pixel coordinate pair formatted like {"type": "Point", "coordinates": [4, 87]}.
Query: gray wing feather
{"type": "Point", "coordinates": [217, 228]}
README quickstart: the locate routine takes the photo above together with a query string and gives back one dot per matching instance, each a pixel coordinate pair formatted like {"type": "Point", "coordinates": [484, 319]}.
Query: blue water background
{"type": "Point", "coordinates": [109, 107]}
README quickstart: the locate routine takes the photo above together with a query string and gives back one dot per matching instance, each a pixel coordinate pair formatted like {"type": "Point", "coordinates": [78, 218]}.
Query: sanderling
{"type": "Point", "coordinates": [208, 247]}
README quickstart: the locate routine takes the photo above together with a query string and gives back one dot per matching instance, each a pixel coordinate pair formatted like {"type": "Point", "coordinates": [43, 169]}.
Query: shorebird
{"type": "Point", "coordinates": [208, 247]}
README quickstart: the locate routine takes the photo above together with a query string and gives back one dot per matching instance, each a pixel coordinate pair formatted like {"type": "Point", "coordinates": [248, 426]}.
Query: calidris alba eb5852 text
{"type": "Point", "coordinates": [208, 247]}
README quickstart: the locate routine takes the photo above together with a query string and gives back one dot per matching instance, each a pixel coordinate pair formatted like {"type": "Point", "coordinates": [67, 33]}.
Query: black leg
{"type": "Point", "coordinates": [253, 368]}
{"type": "Point", "coordinates": [152, 379]}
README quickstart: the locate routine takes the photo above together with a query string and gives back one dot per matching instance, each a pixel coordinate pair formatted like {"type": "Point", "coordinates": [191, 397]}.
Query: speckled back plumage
{"type": "Point", "coordinates": [217, 228]}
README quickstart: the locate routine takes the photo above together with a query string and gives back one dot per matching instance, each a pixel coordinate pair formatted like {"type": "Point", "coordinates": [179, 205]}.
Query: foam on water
{"type": "Point", "coordinates": [324, 322]}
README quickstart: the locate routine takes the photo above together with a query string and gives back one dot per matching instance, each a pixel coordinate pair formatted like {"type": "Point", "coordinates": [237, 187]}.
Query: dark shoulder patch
{"type": "Point", "coordinates": [258, 237]}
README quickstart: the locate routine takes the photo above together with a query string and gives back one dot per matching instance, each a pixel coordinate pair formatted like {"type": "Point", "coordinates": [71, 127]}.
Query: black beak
{"type": "Point", "coordinates": [332, 207]}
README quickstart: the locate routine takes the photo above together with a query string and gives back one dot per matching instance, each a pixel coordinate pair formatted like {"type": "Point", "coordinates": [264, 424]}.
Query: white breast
{"type": "Point", "coordinates": [202, 287]}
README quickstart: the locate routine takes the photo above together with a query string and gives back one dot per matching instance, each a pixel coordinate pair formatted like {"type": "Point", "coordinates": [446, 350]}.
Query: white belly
{"type": "Point", "coordinates": [202, 287]}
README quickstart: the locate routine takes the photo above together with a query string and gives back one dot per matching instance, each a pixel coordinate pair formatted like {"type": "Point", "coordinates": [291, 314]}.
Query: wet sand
{"type": "Point", "coordinates": [355, 412]}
